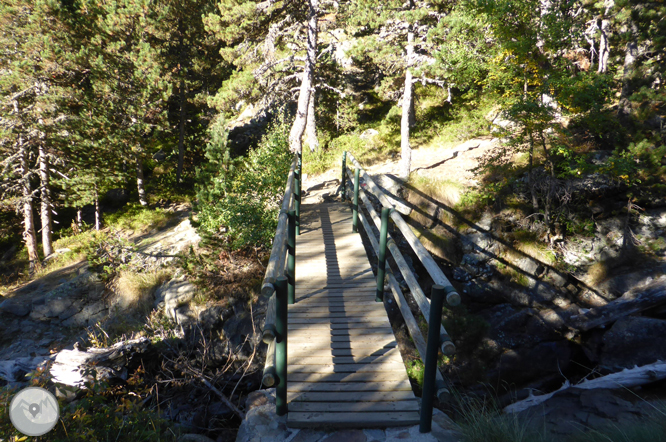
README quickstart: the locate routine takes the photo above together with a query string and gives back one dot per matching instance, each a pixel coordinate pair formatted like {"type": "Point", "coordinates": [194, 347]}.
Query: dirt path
{"type": "Point", "coordinates": [453, 164]}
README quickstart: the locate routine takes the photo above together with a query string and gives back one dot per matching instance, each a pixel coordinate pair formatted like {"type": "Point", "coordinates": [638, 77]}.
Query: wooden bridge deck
{"type": "Point", "coordinates": [344, 366]}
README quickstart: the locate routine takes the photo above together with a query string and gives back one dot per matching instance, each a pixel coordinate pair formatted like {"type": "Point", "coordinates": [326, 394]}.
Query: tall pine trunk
{"type": "Point", "coordinates": [604, 46]}
{"type": "Point", "coordinates": [29, 235]}
{"type": "Point", "coordinates": [181, 135]}
{"type": "Point", "coordinates": [298, 128]}
{"type": "Point", "coordinates": [140, 185]}
{"type": "Point", "coordinates": [311, 127]}
{"type": "Point", "coordinates": [45, 195]}
{"type": "Point", "coordinates": [406, 150]}
{"type": "Point", "coordinates": [98, 215]}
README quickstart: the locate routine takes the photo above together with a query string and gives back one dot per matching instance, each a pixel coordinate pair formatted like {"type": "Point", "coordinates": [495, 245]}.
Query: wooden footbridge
{"type": "Point", "coordinates": [340, 365]}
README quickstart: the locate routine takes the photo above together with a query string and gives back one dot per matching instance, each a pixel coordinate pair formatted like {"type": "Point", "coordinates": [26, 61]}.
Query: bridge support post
{"type": "Point", "coordinates": [281, 346]}
{"type": "Point", "coordinates": [381, 265]}
{"type": "Point", "coordinates": [291, 259]}
{"type": "Point", "coordinates": [429, 380]}
{"type": "Point", "coordinates": [343, 183]}
{"type": "Point", "coordinates": [355, 205]}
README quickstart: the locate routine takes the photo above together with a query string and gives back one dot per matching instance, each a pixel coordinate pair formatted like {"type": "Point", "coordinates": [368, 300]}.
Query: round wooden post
{"type": "Point", "coordinates": [343, 185]}
{"type": "Point", "coordinates": [355, 205]}
{"type": "Point", "coordinates": [381, 265]}
{"type": "Point", "coordinates": [291, 260]}
{"type": "Point", "coordinates": [429, 374]}
{"type": "Point", "coordinates": [281, 346]}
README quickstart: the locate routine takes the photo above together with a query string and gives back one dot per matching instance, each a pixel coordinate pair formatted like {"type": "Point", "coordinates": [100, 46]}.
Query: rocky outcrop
{"type": "Point", "coordinates": [262, 424]}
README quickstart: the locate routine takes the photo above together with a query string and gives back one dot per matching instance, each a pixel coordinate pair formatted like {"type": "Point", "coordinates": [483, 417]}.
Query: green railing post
{"type": "Point", "coordinates": [291, 259]}
{"type": "Point", "coordinates": [355, 205]}
{"type": "Point", "coordinates": [343, 185]}
{"type": "Point", "coordinates": [297, 201]}
{"type": "Point", "coordinates": [429, 381]}
{"type": "Point", "coordinates": [281, 345]}
{"type": "Point", "coordinates": [381, 265]}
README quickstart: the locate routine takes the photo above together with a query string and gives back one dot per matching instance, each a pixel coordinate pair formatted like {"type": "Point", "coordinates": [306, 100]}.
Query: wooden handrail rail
{"type": "Point", "coordinates": [438, 277]}
{"type": "Point", "coordinates": [448, 348]}
{"type": "Point", "coordinates": [279, 250]}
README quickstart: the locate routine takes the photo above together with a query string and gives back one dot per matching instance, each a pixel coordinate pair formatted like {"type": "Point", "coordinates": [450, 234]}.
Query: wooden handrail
{"type": "Point", "coordinates": [438, 277]}
{"type": "Point", "coordinates": [279, 250]}
{"type": "Point", "coordinates": [448, 348]}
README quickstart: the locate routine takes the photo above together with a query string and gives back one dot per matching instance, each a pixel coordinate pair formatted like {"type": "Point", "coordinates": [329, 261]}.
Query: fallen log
{"type": "Point", "coordinates": [632, 302]}
{"type": "Point", "coordinates": [75, 367]}
{"type": "Point", "coordinates": [627, 378]}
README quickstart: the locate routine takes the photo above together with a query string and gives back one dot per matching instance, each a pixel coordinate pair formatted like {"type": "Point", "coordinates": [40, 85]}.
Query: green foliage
{"type": "Point", "coordinates": [103, 414]}
{"type": "Point", "coordinates": [138, 218]}
{"type": "Point", "coordinates": [415, 371]}
{"type": "Point", "coordinates": [485, 423]}
{"type": "Point", "coordinates": [240, 198]}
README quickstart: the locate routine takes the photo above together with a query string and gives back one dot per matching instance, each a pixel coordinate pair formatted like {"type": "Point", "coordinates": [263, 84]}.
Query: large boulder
{"type": "Point", "coordinates": [173, 294]}
{"type": "Point", "coordinates": [633, 341]}
{"type": "Point", "coordinates": [15, 307]}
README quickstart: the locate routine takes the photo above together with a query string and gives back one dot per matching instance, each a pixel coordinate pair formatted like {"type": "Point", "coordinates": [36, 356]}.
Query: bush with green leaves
{"type": "Point", "coordinates": [239, 198]}
{"type": "Point", "coordinates": [102, 413]}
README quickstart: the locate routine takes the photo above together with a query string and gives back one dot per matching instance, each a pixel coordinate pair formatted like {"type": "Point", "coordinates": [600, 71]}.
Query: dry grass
{"type": "Point", "coordinates": [134, 290]}
{"type": "Point", "coordinates": [597, 273]}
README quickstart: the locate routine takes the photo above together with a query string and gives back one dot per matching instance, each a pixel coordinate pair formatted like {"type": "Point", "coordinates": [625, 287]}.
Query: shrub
{"type": "Point", "coordinates": [238, 199]}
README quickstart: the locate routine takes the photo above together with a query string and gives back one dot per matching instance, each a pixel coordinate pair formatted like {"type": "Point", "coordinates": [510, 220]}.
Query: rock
{"type": "Point", "coordinates": [262, 424]}
{"type": "Point", "coordinates": [346, 436]}
{"type": "Point", "coordinates": [368, 134]}
{"type": "Point", "coordinates": [526, 364]}
{"type": "Point", "coordinates": [173, 294]}
{"type": "Point", "coordinates": [194, 438]}
{"type": "Point", "coordinates": [51, 309]}
{"type": "Point", "coordinates": [213, 317]}
{"type": "Point", "coordinates": [443, 427]}
{"type": "Point", "coordinates": [89, 315]}
{"type": "Point", "coordinates": [238, 327]}
{"type": "Point", "coordinates": [633, 341]}
{"type": "Point", "coordinates": [15, 307]}
{"type": "Point", "coordinates": [375, 435]}
{"type": "Point", "coordinates": [566, 412]}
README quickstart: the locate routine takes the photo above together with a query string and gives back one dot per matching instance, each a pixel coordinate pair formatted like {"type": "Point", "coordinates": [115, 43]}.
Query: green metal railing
{"type": "Point", "coordinates": [279, 283]}
{"type": "Point", "coordinates": [432, 310]}
{"type": "Point", "coordinates": [279, 286]}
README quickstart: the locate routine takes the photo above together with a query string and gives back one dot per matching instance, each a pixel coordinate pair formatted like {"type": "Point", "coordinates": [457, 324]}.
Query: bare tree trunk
{"type": "Point", "coordinates": [406, 150]}
{"type": "Point", "coordinates": [139, 181]}
{"type": "Point", "coordinates": [98, 216]}
{"type": "Point", "coordinates": [604, 46]}
{"type": "Point", "coordinates": [78, 217]}
{"type": "Point", "coordinates": [311, 127]}
{"type": "Point", "coordinates": [181, 135]}
{"type": "Point", "coordinates": [297, 129]}
{"type": "Point", "coordinates": [29, 235]}
{"type": "Point", "coordinates": [530, 183]}
{"type": "Point", "coordinates": [45, 195]}
{"type": "Point", "coordinates": [628, 69]}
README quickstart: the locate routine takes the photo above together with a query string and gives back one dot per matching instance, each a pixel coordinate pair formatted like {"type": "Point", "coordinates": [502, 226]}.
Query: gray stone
{"type": "Point", "coordinates": [346, 436]}
{"type": "Point", "coordinates": [194, 438]}
{"type": "Point", "coordinates": [174, 293]}
{"type": "Point", "coordinates": [309, 436]}
{"type": "Point", "coordinates": [375, 435]}
{"type": "Point", "coordinates": [633, 341]}
{"type": "Point", "coordinates": [90, 314]}
{"type": "Point", "coordinates": [15, 307]}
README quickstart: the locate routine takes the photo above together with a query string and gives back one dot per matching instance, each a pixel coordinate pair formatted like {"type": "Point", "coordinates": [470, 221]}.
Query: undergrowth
{"type": "Point", "coordinates": [104, 413]}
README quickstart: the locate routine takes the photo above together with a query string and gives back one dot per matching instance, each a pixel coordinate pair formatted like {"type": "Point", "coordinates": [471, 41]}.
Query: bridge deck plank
{"type": "Point", "coordinates": [345, 369]}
